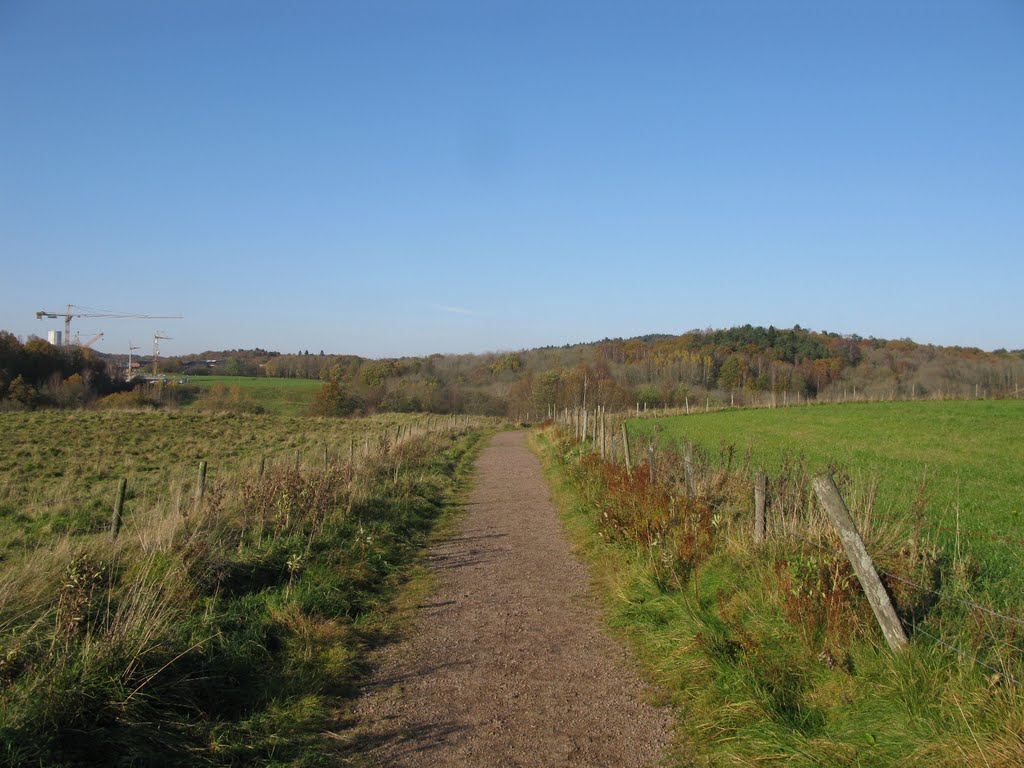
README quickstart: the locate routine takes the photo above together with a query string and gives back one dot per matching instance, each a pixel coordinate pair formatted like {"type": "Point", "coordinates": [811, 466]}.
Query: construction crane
{"type": "Point", "coordinates": [156, 347]}
{"type": "Point", "coordinates": [90, 342]}
{"type": "Point", "coordinates": [131, 348]}
{"type": "Point", "coordinates": [68, 314]}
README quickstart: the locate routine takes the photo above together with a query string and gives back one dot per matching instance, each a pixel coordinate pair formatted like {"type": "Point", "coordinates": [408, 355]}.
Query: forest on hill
{"type": "Point", "coordinates": [744, 364]}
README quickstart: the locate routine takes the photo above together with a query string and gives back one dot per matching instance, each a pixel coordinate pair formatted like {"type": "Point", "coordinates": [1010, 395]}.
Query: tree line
{"type": "Point", "coordinates": [741, 364]}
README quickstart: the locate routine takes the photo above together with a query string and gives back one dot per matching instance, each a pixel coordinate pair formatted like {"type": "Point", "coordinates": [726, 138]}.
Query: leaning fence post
{"type": "Point", "coordinates": [760, 486]}
{"type": "Point", "coordinates": [828, 494]}
{"type": "Point", "coordinates": [201, 483]}
{"type": "Point", "coordinates": [115, 520]}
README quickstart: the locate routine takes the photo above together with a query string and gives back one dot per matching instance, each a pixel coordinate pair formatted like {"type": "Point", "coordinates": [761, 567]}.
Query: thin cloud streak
{"type": "Point", "coordinates": [455, 310]}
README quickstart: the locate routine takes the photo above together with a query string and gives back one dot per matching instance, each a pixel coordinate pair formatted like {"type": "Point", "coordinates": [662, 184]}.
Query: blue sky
{"type": "Point", "coordinates": [394, 178]}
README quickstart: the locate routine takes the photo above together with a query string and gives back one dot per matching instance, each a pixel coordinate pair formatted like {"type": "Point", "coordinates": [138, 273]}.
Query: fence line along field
{"type": "Point", "coordinates": [765, 638]}
{"type": "Point", "coordinates": [59, 469]}
{"type": "Point", "coordinates": [941, 464]}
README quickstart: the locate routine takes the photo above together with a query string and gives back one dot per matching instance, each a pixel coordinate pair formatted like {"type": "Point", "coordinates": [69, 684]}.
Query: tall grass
{"type": "Point", "coordinates": [225, 632]}
{"type": "Point", "coordinates": [770, 652]}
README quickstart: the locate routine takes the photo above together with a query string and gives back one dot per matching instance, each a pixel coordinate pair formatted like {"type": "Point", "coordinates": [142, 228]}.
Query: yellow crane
{"type": "Point", "coordinates": [68, 314]}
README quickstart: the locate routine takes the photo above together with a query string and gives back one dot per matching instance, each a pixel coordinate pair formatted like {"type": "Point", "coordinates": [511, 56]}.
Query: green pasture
{"type": "Point", "coordinates": [968, 454]}
{"type": "Point", "coordinates": [288, 397]}
{"type": "Point", "coordinates": [59, 470]}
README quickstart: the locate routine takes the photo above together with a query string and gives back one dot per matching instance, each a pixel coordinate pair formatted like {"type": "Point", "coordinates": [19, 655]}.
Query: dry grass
{"type": "Point", "coordinates": [219, 630]}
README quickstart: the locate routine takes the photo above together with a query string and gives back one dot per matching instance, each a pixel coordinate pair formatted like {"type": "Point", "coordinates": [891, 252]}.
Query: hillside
{"type": "Point", "coordinates": [742, 365]}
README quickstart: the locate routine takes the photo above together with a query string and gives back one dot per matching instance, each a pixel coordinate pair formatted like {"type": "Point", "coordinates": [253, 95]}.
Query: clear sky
{"type": "Point", "coordinates": [391, 178]}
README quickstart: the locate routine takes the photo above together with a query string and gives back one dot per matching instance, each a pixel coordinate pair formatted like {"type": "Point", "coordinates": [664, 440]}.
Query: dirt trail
{"type": "Point", "coordinates": [505, 664]}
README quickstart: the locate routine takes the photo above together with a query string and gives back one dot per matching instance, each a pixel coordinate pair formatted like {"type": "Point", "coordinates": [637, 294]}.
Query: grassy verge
{"type": "Point", "coordinates": [230, 635]}
{"type": "Point", "coordinates": [770, 654]}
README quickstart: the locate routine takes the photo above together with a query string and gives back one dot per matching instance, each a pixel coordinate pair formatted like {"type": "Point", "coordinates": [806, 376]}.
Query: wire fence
{"type": "Point", "coordinates": [1011, 624]}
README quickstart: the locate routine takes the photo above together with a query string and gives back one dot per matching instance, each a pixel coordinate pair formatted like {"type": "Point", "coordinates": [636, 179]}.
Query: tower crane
{"type": "Point", "coordinates": [156, 347]}
{"type": "Point", "coordinates": [68, 314]}
{"type": "Point", "coordinates": [131, 348]}
{"type": "Point", "coordinates": [90, 342]}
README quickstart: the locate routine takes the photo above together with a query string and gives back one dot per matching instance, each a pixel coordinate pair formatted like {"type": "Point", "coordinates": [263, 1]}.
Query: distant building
{"type": "Point", "coordinates": [55, 337]}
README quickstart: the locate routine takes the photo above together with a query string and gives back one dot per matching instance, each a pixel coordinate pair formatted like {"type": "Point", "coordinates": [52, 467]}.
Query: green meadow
{"type": "Point", "coordinates": [953, 460]}
{"type": "Point", "coordinates": [287, 397]}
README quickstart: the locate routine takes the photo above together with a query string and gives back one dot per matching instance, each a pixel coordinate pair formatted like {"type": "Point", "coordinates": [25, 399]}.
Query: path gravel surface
{"type": "Point", "coordinates": [506, 663]}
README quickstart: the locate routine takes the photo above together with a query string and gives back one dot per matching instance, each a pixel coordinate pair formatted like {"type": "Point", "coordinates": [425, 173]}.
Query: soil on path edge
{"type": "Point", "coordinates": [506, 664]}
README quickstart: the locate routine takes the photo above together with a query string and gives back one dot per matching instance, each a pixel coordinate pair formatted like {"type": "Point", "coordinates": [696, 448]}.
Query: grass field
{"type": "Point", "coordinates": [969, 454]}
{"type": "Point", "coordinates": [287, 397]}
{"type": "Point", "coordinates": [59, 469]}
{"type": "Point", "coordinates": [227, 631]}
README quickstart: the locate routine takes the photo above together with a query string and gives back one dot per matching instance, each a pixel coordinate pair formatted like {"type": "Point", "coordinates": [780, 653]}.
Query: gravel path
{"type": "Point", "coordinates": [505, 664]}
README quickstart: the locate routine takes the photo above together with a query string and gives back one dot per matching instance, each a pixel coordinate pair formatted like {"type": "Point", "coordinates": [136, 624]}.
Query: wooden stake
{"type": "Point", "coordinates": [625, 448]}
{"type": "Point", "coordinates": [760, 486]}
{"type": "Point", "coordinates": [691, 484]}
{"type": "Point", "coordinates": [881, 604]}
{"type": "Point", "coordinates": [115, 520]}
{"type": "Point", "coordinates": [201, 483]}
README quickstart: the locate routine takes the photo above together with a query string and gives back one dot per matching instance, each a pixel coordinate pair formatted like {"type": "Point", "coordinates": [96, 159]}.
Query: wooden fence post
{"type": "Point", "coordinates": [650, 460]}
{"type": "Point", "coordinates": [828, 494]}
{"type": "Point", "coordinates": [201, 484]}
{"type": "Point", "coordinates": [115, 520]}
{"type": "Point", "coordinates": [625, 447]}
{"type": "Point", "coordinates": [263, 465]}
{"type": "Point", "coordinates": [760, 486]}
{"type": "Point", "coordinates": [602, 435]}
{"type": "Point", "coordinates": [325, 457]}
